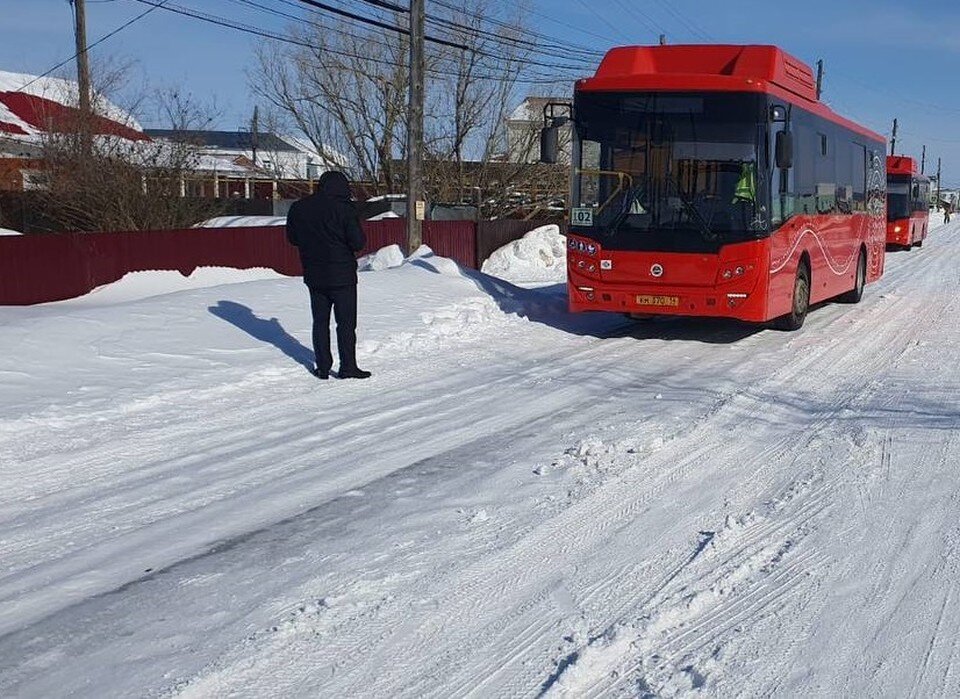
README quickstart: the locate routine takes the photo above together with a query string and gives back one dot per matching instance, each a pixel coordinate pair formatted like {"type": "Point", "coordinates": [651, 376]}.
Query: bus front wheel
{"type": "Point", "coordinates": [801, 301]}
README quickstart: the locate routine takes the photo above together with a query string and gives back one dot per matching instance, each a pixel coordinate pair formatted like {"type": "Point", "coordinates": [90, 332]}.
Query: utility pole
{"type": "Point", "coordinates": [938, 182]}
{"type": "Point", "coordinates": [923, 160]}
{"type": "Point", "coordinates": [83, 62]}
{"type": "Point", "coordinates": [255, 135]}
{"type": "Point", "coordinates": [893, 141]}
{"type": "Point", "coordinates": [415, 204]}
{"type": "Point", "coordinates": [819, 78]}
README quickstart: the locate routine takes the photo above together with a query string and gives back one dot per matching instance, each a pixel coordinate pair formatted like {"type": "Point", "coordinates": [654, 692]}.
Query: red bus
{"type": "Point", "coordinates": [711, 181]}
{"type": "Point", "coordinates": [908, 203]}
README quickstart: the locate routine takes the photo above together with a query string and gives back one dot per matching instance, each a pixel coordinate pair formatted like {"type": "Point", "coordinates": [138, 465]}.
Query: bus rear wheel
{"type": "Point", "coordinates": [856, 293]}
{"type": "Point", "coordinates": [801, 301]}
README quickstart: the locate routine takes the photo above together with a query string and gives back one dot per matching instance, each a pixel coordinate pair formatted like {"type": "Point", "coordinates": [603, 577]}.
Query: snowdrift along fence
{"type": "Point", "coordinates": [41, 268]}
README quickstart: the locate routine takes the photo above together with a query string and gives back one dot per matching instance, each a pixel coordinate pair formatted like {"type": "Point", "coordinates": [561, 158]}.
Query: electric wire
{"type": "Point", "coordinates": [238, 26]}
{"type": "Point", "coordinates": [99, 41]}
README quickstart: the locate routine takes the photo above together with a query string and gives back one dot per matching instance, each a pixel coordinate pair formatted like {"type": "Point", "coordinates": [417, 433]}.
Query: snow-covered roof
{"type": "Point", "coordinates": [30, 106]}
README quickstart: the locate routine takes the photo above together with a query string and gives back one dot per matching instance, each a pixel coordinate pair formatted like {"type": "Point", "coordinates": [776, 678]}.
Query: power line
{"type": "Point", "coordinates": [689, 23]}
{"type": "Point", "coordinates": [448, 23]}
{"type": "Point", "coordinates": [644, 18]}
{"type": "Point", "coordinates": [376, 23]}
{"type": "Point", "coordinates": [600, 16]}
{"type": "Point", "coordinates": [536, 40]}
{"type": "Point", "coordinates": [543, 38]}
{"type": "Point", "coordinates": [580, 67]}
{"type": "Point", "coordinates": [99, 41]}
{"type": "Point", "coordinates": [230, 24]}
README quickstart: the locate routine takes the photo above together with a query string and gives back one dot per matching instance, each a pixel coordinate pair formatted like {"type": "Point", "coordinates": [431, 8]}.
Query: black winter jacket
{"type": "Point", "coordinates": [325, 229]}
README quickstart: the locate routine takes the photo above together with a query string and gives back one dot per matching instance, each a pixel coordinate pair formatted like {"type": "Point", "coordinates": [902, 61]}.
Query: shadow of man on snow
{"type": "Point", "coordinates": [269, 331]}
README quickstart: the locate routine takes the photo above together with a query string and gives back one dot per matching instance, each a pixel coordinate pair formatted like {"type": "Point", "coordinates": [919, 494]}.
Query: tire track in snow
{"type": "Point", "coordinates": [866, 393]}
{"type": "Point", "coordinates": [711, 432]}
{"type": "Point", "coordinates": [505, 586]}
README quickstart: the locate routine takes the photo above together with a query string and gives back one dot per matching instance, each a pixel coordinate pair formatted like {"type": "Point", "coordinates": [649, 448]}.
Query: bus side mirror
{"type": "Point", "coordinates": [549, 144]}
{"type": "Point", "coordinates": [784, 150]}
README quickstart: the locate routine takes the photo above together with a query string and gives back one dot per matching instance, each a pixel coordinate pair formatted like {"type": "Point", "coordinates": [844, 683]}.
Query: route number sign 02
{"type": "Point", "coordinates": [581, 217]}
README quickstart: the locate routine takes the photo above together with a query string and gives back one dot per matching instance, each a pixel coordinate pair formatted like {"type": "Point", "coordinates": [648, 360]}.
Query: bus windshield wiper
{"type": "Point", "coordinates": [691, 210]}
{"type": "Point", "coordinates": [626, 204]}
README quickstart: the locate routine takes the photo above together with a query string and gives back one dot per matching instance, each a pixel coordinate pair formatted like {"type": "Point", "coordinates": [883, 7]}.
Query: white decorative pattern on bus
{"type": "Point", "coordinates": [831, 263]}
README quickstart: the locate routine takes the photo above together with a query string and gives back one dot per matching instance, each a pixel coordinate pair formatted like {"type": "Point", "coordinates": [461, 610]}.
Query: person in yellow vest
{"type": "Point", "coordinates": [746, 189]}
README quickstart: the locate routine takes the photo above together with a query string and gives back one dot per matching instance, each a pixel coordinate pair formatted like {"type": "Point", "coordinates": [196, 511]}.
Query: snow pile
{"type": "Point", "coordinates": [451, 318]}
{"type": "Point", "coordinates": [454, 323]}
{"type": "Point", "coordinates": [243, 222]}
{"type": "Point", "coordinates": [539, 256]}
{"type": "Point", "coordinates": [385, 215]}
{"type": "Point", "coordinates": [384, 258]}
{"type": "Point", "coordinates": [135, 286]}
{"type": "Point", "coordinates": [426, 258]}
{"type": "Point", "coordinates": [7, 231]}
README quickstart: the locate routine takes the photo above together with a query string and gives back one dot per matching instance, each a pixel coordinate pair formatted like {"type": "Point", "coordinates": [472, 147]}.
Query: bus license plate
{"type": "Point", "coordinates": [643, 300]}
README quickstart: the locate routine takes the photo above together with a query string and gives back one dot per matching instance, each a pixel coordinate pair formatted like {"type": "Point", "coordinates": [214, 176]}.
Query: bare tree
{"type": "Point", "coordinates": [470, 96]}
{"type": "Point", "coordinates": [342, 90]}
{"type": "Point", "coordinates": [96, 175]}
{"type": "Point", "coordinates": [182, 111]}
{"type": "Point", "coordinates": [118, 185]}
{"type": "Point", "coordinates": [345, 88]}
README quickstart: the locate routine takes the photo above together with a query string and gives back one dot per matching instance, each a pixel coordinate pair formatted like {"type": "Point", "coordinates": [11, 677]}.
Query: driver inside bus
{"type": "Point", "coordinates": [745, 196]}
{"type": "Point", "coordinates": [746, 189]}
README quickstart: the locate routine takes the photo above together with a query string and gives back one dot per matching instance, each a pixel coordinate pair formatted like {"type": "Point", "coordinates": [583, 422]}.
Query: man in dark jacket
{"type": "Point", "coordinates": [325, 229]}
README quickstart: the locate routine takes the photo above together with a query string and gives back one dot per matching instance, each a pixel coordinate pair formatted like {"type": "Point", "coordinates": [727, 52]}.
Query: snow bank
{"type": "Point", "coordinates": [391, 257]}
{"type": "Point", "coordinates": [385, 215]}
{"type": "Point", "coordinates": [539, 256]}
{"type": "Point", "coordinates": [143, 285]}
{"type": "Point", "coordinates": [243, 222]}
{"type": "Point", "coordinates": [426, 258]}
{"type": "Point", "coordinates": [7, 231]}
{"type": "Point", "coordinates": [384, 258]}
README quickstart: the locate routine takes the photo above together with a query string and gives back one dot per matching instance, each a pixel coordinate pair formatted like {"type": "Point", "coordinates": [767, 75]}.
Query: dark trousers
{"type": "Point", "coordinates": [343, 300]}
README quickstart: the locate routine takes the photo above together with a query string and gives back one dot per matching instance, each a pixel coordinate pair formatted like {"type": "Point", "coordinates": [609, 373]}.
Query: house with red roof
{"type": "Point", "coordinates": [32, 107]}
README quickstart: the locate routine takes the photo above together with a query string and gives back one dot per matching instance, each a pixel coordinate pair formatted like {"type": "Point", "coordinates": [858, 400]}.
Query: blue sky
{"type": "Point", "coordinates": [884, 58]}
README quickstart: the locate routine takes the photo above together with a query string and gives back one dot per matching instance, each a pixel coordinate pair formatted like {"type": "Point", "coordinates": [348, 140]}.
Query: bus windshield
{"type": "Point", "coordinates": [671, 172]}
{"type": "Point", "coordinates": [898, 198]}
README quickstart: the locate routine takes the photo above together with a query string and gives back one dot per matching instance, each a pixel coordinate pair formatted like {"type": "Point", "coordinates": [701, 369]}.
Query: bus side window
{"type": "Point", "coordinates": [858, 154]}
{"type": "Point", "coordinates": [782, 199]}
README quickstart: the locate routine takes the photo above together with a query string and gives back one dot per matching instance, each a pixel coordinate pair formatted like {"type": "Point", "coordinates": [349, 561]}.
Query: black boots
{"type": "Point", "coordinates": [342, 374]}
{"type": "Point", "coordinates": [353, 374]}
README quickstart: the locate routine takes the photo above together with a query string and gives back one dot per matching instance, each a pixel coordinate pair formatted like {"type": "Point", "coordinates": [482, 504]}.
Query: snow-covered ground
{"type": "Point", "coordinates": [9, 231]}
{"type": "Point", "coordinates": [519, 502]}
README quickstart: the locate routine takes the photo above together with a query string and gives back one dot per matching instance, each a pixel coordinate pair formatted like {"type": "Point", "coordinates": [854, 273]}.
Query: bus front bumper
{"type": "Point", "coordinates": [662, 300]}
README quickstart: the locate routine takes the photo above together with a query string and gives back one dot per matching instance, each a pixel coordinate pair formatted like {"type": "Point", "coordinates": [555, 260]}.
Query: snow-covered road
{"type": "Point", "coordinates": [519, 502]}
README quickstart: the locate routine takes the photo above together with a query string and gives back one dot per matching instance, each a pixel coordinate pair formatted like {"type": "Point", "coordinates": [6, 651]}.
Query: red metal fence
{"type": "Point", "coordinates": [41, 268]}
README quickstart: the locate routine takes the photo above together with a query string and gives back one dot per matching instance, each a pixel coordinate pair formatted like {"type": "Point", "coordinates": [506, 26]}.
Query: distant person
{"type": "Point", "coordinates": [325, 229]}
{"type": "Point", "coordinates": [946, 213]}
